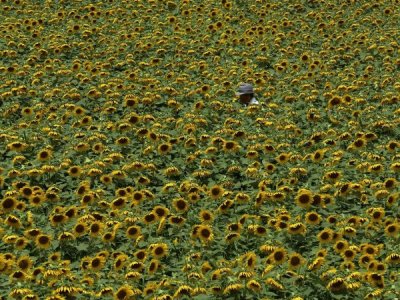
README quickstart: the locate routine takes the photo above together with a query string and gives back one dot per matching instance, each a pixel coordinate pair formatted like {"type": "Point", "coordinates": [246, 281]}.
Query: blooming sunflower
{"type": "Point", "coordinates": [43, 241]}
{"type": "Point", "coordinates": [216, 192]}
{"type": "Point", "coordinates": [123, 293]}
{"type": "Point", "coordinates": [325, 236]}
{"type": "Point", "coordinates": [180, 205]}
{"type": "Point", "coordinates": [206, 216]}
{"type": "Point", "coordinates": [205, 233]}
{"type": "Point", "coordinates": [159, 250]}
{"type": "Point", "coordinates": [304, 198]}
{"type": "Point", "coordinates": [44, 155]}
{"type": "Point", "coordinates": [295, 261]}
{"type": "Point", "coordinates": [279, 256]}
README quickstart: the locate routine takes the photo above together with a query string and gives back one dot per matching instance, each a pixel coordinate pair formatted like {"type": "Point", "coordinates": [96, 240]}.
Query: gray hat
{"type": "Point", "coordinates": [245, 88]}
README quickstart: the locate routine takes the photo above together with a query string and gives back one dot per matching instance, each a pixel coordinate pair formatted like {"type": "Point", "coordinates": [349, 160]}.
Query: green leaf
{"type": "Point", "coordinates": [83, 247]}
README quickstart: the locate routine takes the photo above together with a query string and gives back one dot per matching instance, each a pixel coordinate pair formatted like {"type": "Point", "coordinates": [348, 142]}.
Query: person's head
{"type": "Point", "coordinates": [245, 93]}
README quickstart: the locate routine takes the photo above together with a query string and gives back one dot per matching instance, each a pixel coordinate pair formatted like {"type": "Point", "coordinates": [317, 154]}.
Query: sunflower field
{"type": "Point", "coordinates": [129, 170]}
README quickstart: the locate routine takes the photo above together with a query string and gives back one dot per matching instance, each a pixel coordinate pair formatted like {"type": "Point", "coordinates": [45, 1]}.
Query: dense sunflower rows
{"type": "Point", "coordinates": [129, 171]}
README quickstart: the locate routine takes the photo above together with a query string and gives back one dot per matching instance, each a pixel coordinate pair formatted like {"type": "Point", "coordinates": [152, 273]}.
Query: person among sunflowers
{"type": "Point", "coordinates": [246, 95]}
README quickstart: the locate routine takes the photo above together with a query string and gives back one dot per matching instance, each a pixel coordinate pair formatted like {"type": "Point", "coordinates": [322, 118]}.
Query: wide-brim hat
{"type": "Point", "coordinates": [244, 89]}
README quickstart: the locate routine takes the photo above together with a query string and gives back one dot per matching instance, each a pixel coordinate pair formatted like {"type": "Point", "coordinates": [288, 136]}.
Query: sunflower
{"type": "Point", "coordinates": [340, 246]}
{"type": "Point", "coordinates": [123, 293]}
{"type": "Point", "coordinates": [390, 183]}
{"type": "Point", "coordinates": [176, 220]}
{"type": "Point", "coordinates": [359, 143]}
{"type": "Point", "coordinates": [377, 214]}
{"type": "Point", "coordinates": [13, 221]}
{"type": "Point", "coordinates": [24, 263]}
{"type": "Point", "coordinates": [206, 216]}
{"type": "Point", "coordinates": [21, 243]}
{"type": "Point", "coordinates": [138, 196]}
{"type": "Point", "coordinates": [57, 219]}
{"type": "Point", "coordinates": [313, 218]}
{"type": "Point", "coordinates": [272, 283]}
{"type": "Point", "coordinates": [332, 176]}
{"type": "Point", "coordinates": [205, 233]}
{"type": "Point", "coordinates": [249, 260]}
{"type": "Point", "coordinates": [95, 228]}
{"type": "Point", "coordinates": [75, 171]}
{"type": "Point", "coordinates": [150, 218]}
{"type": "Point", "coordinates": [392, 145]}
{"type": "Point", "coordinates": [19, 275]}
{"type": "Point", "coordinates": [32, 233]}
{"type": "Point", "coordinates": [97, 263]}
{"type": "Point", "coordinates": [43, 241]}
{"type": "Point", "coordinates": [216, 192]}
{"type": "Point", "coordinates": [87, 198]}
{"type": "Point", "coordinates": [304, 198]}
{"type": "Point", "coordinates": [83, 188]}
{"type": "Point", "coordinates": [8, 204]}
{"type": "Point", "coordinates": [279, 256]}
{"type": "Point", "coordinates": [230, 146]}
{"type": "Point", "coordinates": [140, 255]}
{"type": "Point", "coordinates": [393, 258]}
{"type": "Point", "coordinates": [283, 158]}
{"type": "Point", "coordinates": [325, 236]}
{"type": "Point", "coordinates": [392, 230]}
{"type": "Point", "coordinates": [118, 203]}
{"type": "Point", "coordinates": [154, 265]}
{"type": "Point", "coordinates": [108, 237]}
{"type": "Point", "coordinates": [164, 148]}
{"type": "Point", "coordinates": [44, 154]}
{"type": "Point", "coordinates": [223, 208]}
{"type": "Point", "coordinates": [180, 205]}
{"type": "Point", "coordinates": [79, 229]}
{"type": "Point", "coordinates": [17, 146]}
{"type": "Point", "coordinates": [160, 211]}
{"type": "Point", "coordinates": [297, 228]}
{"type": "Point", "coordinates": [98, 148]}
{"type": "Point", "coordinates": [337, 285]}
{"type": "Point", "coordinates": [348, 254]}
{"type": "Point", "coordinates": [159, 250]}
{"type": "Point", "coordinates": [26, 191]}
{"type": "Point", "coordinates": [295, 261]}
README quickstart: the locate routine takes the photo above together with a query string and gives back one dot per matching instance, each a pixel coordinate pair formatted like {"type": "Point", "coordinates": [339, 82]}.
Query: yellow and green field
{"type": "Point", "coordinates": [129, 170]}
